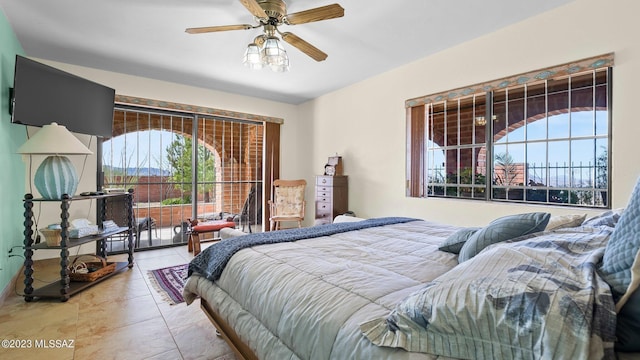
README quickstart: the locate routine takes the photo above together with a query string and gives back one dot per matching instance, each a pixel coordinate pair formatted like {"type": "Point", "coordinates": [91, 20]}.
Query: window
{"type": "Point", "coordinates": [533, 141]}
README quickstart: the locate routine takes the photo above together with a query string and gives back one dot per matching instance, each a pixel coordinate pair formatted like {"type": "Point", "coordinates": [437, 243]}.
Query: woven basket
{"type": "Point", "coordinates": [97, 269]}
{"type": "Point", "coordinates": [52, 236]}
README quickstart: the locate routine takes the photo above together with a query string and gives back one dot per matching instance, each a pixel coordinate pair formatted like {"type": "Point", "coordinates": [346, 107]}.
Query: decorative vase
{"type": "Point", "coordinates": [56, 176]}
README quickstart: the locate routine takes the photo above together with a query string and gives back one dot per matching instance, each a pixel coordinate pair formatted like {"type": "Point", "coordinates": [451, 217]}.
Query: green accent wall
{"type": "Point", "coordinates": [12, 168]}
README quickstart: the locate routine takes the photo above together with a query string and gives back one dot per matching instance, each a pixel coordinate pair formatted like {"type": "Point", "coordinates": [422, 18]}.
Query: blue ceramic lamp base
{"type": "Point", "coordinates": [55, 177]}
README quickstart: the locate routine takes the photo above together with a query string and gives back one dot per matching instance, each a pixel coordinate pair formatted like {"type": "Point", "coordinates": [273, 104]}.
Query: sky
{"type": "Point", "coordinates": [122, 151]}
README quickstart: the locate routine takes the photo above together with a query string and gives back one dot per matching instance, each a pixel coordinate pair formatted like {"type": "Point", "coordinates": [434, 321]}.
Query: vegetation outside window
{"type": "Point", "coordinates": [534, 141]}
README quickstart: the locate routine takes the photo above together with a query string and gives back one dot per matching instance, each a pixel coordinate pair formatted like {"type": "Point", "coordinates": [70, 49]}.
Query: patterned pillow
{"type": "Point", "coordinates": [623, 246]}
{"type": "Point", "coordinates": [608, 218]}
{"type": "Point", "coordinates": [503, 229]}
{"type": "Point", "coordinates": [565, 221]}
{"type": "Point", "coordinates": [454, 243]}
{"type": "Point", "coordinates": [532, 299]}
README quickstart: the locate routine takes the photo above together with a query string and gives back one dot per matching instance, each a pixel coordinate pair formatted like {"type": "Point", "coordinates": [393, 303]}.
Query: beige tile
{"type": "Point", "coordinates": [115, 314]}
{"type": "Point", "coordinates": [122, 317]}
{"type": "Point", "coordinates": [42, 351]}
{"type": "Point", "coordinates": [159, 262]}
{"type": "Point", "coordinates": [23, 320]}
{"type": "Point", "coordinates": [169, 355]}
{"type": "Point", "coordinates": [179, 315]}
{"type": "Point", "coordinates": [136, 341]}
{"type": "Point", "coordinates": [199, 341]}
{"type": "Point", "coordinates": [111, 290]}
{"type": "Point", "coordinates": [36, 324]}
{"type": "Point", "coordinates": [149, 254]}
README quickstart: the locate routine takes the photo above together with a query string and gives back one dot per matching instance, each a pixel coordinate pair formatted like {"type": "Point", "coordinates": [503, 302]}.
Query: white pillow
{"type": "Point", "coordinates": [565, 221]}
{"type": "Point", "coordinates": [345, 218]}
{"type": "Point", "coordinates": [228, 233]}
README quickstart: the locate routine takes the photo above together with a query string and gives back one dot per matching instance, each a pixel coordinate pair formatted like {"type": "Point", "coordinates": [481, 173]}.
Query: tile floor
{"type": "Point", "coordinates": [122, 317]}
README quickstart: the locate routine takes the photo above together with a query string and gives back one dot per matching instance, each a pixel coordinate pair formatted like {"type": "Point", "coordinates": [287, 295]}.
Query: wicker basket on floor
{"type": "Point", "coordinates": [97, 269]}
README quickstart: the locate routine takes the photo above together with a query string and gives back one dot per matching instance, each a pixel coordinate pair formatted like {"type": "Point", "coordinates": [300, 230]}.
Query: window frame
{"type": "Point", "coordinates": [418, 141]}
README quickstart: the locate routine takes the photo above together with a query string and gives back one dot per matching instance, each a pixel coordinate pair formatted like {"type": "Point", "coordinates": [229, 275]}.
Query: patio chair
{"type": "Point", "coordinates": [252, 209]}
{"type": "Point", "coordinates": [113, 212]}
{"type": "Point", "coordinates": [145, 224]}
{"type": "Point", "coordinates": [288, 202]}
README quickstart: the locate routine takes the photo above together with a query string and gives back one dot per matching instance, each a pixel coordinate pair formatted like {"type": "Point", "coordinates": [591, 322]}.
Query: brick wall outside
{"type": "Point", "coordinates": [171, 215]}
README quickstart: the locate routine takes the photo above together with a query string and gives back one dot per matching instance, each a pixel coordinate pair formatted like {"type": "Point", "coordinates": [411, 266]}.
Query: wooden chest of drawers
{"type": "Point", "coordinates": [332, 198]}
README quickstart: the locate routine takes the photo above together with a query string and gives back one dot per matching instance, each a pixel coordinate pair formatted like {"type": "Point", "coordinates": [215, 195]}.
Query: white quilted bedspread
{"type": "Point", "coordinates": [306, 299]}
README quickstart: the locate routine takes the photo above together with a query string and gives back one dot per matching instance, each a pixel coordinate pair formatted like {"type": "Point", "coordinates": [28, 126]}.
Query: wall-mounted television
{"type": "Point", "coordinates": [43, 94]}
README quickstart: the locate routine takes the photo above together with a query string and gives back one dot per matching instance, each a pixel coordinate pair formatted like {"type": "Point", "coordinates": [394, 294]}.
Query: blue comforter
{"type": "Point", "coordinates": [213, 259]}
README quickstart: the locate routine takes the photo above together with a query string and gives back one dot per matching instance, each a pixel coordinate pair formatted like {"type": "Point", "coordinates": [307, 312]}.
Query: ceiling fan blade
{"type": "Point", "coordinates": [304, 46]}
{"type": "Point", "coordinates": [254, 8]}
{"type": "Point", "coordinates": [317, 14]}
{"type": "Point", "coordinates": [208, 29]}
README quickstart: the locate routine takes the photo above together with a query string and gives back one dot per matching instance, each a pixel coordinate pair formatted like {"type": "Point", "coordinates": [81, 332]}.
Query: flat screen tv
{"type": "Point", "coordinates": [43, 94]}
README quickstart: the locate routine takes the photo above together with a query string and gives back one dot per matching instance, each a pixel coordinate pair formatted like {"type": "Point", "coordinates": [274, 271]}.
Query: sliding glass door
{"type": "Point", "coordinates": [174, 178]}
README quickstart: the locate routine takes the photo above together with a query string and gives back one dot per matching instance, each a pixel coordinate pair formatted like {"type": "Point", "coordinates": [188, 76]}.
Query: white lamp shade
{"type": "Point", "coordinates": [53, 139]}
{"type": "Point", "coordinates": [55, 175]}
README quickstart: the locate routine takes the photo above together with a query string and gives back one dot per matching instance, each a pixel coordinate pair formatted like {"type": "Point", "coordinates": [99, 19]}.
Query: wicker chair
{"type": "Point", "coordinates": [288, 202]}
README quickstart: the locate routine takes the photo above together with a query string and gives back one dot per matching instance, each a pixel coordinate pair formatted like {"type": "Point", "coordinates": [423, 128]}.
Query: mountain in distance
{"type": "Point", "coordinates": [133, 171]}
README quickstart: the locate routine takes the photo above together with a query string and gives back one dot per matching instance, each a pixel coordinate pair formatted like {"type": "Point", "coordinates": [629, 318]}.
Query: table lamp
{"type": "Point", "coordinates": [56, 175]}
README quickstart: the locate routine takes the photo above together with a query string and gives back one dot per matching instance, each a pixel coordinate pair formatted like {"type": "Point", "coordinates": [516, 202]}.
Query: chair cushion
{"type": "Point", "coordinates": [289, 200]}
{"type": "Point", "coordinates": [213, 226]}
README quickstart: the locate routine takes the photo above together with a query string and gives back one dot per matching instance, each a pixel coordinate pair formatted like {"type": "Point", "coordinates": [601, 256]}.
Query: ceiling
{"type": "Point", "coordinates": [147, 38]}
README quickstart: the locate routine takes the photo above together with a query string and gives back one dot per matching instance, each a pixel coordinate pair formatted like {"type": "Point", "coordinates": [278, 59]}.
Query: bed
{"type": "Point", "coordinates": [401, 288]}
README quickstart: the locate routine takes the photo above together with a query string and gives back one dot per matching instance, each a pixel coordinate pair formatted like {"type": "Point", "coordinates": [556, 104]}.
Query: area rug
{"type": "Point", "coordinates": [169, 282]}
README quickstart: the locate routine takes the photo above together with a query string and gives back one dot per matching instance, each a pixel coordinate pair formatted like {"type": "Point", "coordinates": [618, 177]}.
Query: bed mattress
{"type": "Point", "coordinates": [266, 292]}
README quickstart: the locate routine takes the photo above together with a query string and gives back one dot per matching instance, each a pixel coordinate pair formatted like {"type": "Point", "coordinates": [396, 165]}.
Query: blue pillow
{"type": "Point", "coordinates": [623, 246]}
{"type": "Point", "coordinates": [455, 241]}
{"type": "Point", "coordinates": [503, 229]}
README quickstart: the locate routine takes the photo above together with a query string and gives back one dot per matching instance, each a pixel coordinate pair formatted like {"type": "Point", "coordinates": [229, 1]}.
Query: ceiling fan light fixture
{"type": "Point", "coordinates": [282, 67]}
{"type": "Point", "coordinates": [269, 14]}
{"type": "Point", "coordinates": [252, 58]}
{"type": "Point", "coordinates": [274, 55]}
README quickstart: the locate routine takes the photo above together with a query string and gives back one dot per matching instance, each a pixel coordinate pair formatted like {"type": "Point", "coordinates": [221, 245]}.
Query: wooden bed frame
{"type": "Point", "coordinates": [241, 350]}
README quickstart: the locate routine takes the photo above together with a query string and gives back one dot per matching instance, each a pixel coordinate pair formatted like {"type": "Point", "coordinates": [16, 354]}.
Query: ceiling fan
{"type": "Point", "coordinates": [270, 14]}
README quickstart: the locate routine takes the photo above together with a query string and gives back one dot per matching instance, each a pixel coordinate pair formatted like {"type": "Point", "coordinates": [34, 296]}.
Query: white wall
{"type": "Point", "coordinates": [366, 122]}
